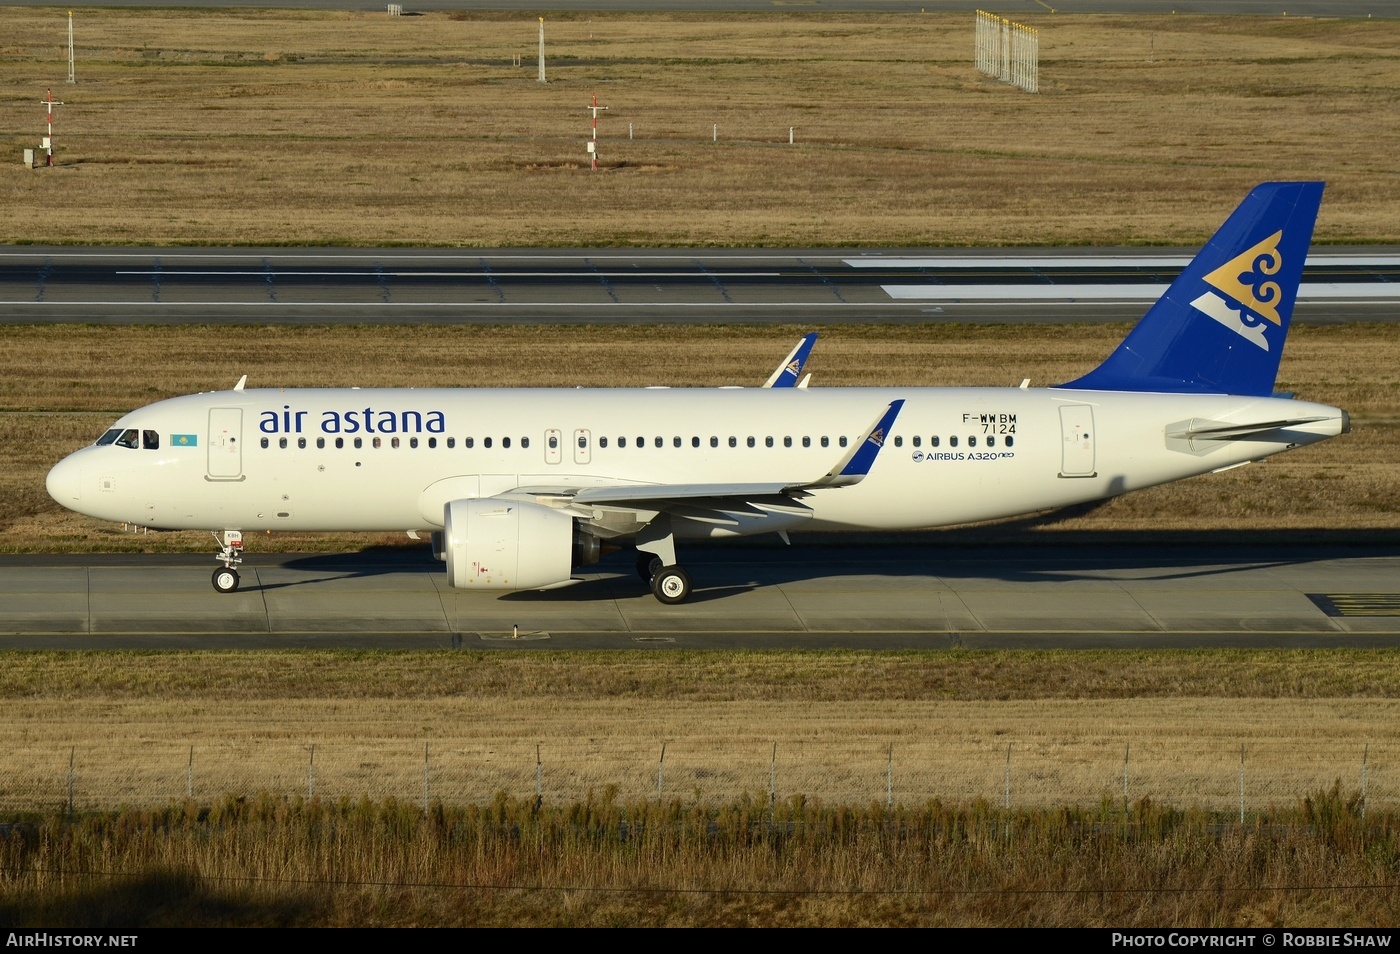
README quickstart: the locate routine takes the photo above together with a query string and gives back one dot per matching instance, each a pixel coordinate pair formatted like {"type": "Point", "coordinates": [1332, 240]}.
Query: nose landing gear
{"type": "Point", "coordinates": [226, 577]}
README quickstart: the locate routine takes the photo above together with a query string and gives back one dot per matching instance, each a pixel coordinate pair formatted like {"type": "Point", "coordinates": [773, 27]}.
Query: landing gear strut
{"type": "Point", "coordinates": [226, 577]}
{"type": "Point", "coordinates": [656, 562]}
{"type": "Point", "coordinates": [647, 565]}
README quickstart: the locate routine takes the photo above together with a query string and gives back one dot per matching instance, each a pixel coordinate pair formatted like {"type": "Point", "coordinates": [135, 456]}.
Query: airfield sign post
{"type": "Point", "coordinates": [50, 102]}
{"type": "Point", "coordinates": [593, 143]}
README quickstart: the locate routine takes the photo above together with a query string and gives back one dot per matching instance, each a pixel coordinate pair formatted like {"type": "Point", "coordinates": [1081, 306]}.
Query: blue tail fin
{"type": "Point", "coordinates": [1220, 326]}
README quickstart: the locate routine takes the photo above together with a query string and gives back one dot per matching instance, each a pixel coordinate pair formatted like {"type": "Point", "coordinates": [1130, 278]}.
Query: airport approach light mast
{"type": "Point", "coordinates": [542, 79]}
{"type": "Point", "coordinates": [593, 143]}
{"type": "Point", "coordinates": [50, 102]}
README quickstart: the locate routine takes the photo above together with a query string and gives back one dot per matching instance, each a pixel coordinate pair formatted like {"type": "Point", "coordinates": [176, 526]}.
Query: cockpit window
{"type": "Point", "coordinates": [130, 437]}
{"type": "Point", "coordinates": [110, 436]}
{"type": "Point", "coordinates": [150, 440]}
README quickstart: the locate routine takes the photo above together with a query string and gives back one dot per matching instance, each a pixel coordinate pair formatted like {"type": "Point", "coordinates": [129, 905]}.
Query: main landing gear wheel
{"type": "Point", "coordinates": [225, 579]}
{"type": "Point", "coordinates": [647, 566]}
{"type": "Point", "coordinates": [671, 585]}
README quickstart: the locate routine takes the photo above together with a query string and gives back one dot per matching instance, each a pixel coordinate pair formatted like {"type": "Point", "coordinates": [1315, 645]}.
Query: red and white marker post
{"type": "Point", "coordinates": [50, 102]}
{"type": "Point", "coordinates": [593, 143]}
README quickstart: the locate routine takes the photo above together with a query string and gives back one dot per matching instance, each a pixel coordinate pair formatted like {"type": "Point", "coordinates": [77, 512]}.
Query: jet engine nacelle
{"type": "Point", "coordinates": [509, 545]}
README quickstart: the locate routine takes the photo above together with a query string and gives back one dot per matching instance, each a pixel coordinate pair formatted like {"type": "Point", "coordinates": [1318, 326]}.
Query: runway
{"type": "Point", "coordinates": [323, 286]}
{"type": "Point", "coordinates": [869, 594]}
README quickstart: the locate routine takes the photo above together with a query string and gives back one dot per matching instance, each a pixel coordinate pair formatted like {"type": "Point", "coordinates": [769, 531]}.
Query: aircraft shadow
{"type": "Point", "coordinates": [1019, 551]}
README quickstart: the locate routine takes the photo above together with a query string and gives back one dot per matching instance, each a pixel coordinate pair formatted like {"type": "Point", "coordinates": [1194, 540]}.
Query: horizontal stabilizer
{"type": "Point", "coordinates": [1219, 431]}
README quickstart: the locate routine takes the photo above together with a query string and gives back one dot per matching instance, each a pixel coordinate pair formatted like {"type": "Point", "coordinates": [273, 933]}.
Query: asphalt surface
{"type": "Point", "coordinates": [638, 286]}
{"type": "Point", "coordinates": [868, 594]}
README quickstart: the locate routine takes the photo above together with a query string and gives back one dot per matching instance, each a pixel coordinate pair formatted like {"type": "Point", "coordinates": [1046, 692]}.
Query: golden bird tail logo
{"type": "Point", "coordinates": [1245, 293]}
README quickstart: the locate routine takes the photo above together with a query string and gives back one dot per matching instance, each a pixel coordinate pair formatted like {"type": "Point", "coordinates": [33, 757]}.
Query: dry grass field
{"type": "Point", "coordinates": [608, 862]}
{"type": "Point", "coordinates": [275, 127]}
{"type": "Point", "coordinates": [308, 773]}
{"type": "Point", "coordinates": [845, 728]}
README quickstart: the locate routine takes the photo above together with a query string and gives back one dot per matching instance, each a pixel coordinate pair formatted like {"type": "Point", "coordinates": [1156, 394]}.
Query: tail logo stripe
{"type": "Point", "coordinates": [1246, 278]}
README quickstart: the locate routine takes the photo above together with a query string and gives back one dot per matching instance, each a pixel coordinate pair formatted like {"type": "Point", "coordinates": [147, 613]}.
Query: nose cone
{"type": "Point", "coordinates": [65, 482]}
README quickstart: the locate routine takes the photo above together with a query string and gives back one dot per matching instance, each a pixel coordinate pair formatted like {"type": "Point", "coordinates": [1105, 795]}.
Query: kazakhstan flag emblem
{"type": "Point", "coordinates": [184, 440]}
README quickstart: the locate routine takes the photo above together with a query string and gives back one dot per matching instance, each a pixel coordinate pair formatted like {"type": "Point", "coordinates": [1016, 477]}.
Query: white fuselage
{"type": "Point", "coordinates": [372, 459]}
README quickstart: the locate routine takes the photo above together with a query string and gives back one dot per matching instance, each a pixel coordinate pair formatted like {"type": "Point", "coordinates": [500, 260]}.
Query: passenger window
{"type": "Point", "coordinates": [933, 442]}
{"type": "Point", "coordinates": [751, 442]}
{"type": "Point", "coordinates": [991, 442]}
{"type": "Point", "coordinates": [660, 442]}
{"type": "Point", "coordinates": [676, 441]}
{"type": "Point", "coordinates": [359, 443]}
{"type": "Point", "coordinates": [1010, 441]}
{"type": "Point", "coordinates": [714, 441]}
{"type": "Point", "coordinates": [525, 443]}
{"type": "Point", "coordinates": [320, 442]}
{"type": "Point", "coordinates": [641, 442]}
{"type": "Point", "coordinates": [899, 442]}
{"type": "Point", "coordinates": [377, 443]}
{"type": "Point", "coordinates": [695, 442]}
{"type": "Point", "coordinates": [282, 442]}
{"type": "Point", "coordinates": [301, 442]}
{"type": "Point", "coordinates": [733, 442]}
{"type": "Point", "coordinates": [432, 442]}
{"type": "Point", "coordinates": [339, 443]}
{"type": "Point", "coordinates": [787, 441]}
{"type": "Point", "coordinates": [394, 443]}
{"type": "Point", "coordinates": [412, 442]}
{"type": "Point", "coordinates": [451, 443]}
{"type": "Point", "coordinates": [972, 441]}
{"type": "Point", "coordinates": [768, 442]}
{"type": "Point", "coordinates": [602, 442]}
{"type": "Point", "coordinates": [952, 442]}
{"type": "Point", "coordinates": [841, 440]}
{"type": "Point", "coordinates": [826, 441]}
{"type": "Point", "coordinates": [505, 442]}
{"type": "Point", "coordinates": [582, 442]}
{"type": "Point", "coordinates": [918, 441]}
{"type": "Point", "coordinates": [263, 442]}
{"type": "Point", "coordinates": [150, 440]}
{"type": "Point", "coordinates": [806, 442]}
{"type": "Point", "coordinates": [468, 442]}
{"type": "Point", "coordinates": [622, 442]}
{"type": "Point", "coordinates": [486, 443]}
{"type": "Point", "coordinates": [553, 442]}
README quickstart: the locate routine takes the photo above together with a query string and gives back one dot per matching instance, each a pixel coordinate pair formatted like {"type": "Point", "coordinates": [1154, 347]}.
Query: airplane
{"type": "Point", "coordinates": [518, 487]}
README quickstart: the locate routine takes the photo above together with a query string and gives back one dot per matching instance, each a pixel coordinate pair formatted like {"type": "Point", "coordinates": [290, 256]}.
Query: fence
{"type": "Point", "coordinates": [1214, 776]}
